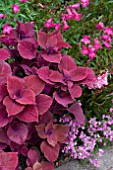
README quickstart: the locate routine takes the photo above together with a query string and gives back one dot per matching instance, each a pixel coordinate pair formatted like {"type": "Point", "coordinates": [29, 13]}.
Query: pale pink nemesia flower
{"type": "Point", "coordinates": [16, 8]}
{"type": "Point", "coordinates": [2, 15]}
{"type": "Point", "coordinates": [7, 29]}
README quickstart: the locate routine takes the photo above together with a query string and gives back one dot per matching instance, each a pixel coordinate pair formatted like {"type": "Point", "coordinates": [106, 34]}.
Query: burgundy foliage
{"type": "Point", "coordinates": [35, 87]}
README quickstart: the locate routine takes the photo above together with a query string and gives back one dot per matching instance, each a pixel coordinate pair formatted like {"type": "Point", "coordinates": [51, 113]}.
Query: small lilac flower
{"type": "Point", "coordinates": [2, 15]}
{"type": "Point", "coordinates": [7, 29]}
{"type": "Point", "coordinates": [100, 25]}
{"type": "Point", "coordinates": [16, 8]}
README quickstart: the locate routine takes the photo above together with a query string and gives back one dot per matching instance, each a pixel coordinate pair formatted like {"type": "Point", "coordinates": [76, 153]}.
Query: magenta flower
{"type": "Point", "coordinates": [16, 8]}
{"type": "Point", "coordinates": [7, 29]}
{"type": "Point", "coordinates": [100, 25]}
{"type": "Point", "coordinates": [66, 26]}
{"type": "Point", "coordinates": [85, 3]}
{"type": "Point", "coordinates": [2, 15]}
{"type": "Point", "coordinates": [85, 39]}
{"type": "Point", "coordinates": [75, 6]}
{"type": "Point", "coordinates": [108, 31]}
{"type": "Point", "coordinates": [49, 23]}
{"type": "Point", "coordinates": [22, 1]}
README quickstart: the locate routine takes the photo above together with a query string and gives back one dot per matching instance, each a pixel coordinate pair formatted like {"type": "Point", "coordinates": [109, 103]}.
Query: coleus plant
{"type": "Point", "coordinates": [37, 83]}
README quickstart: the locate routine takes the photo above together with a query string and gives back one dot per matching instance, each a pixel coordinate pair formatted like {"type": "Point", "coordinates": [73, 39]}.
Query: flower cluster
{"type": "Point", "coordinates": [83, 140]}
{"type": "Point", "coordinates": [98, 43]}
{"type": "Point", "coordinates": [71, 14]}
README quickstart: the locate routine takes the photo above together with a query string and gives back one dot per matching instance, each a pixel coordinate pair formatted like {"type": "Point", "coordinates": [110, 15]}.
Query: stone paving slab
{"type": "Point", "coordinates": [106, 163]}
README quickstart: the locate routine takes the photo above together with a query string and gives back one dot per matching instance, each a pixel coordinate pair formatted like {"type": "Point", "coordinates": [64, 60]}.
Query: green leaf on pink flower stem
{"type": "Point", "coordinates": [8, 160]}
{"type": "Point", "coordinates": [51, 153]}
{"type": "Point", "coordinates": [17, 132]}
{"type": "Point", "coordinates": [77, 111]}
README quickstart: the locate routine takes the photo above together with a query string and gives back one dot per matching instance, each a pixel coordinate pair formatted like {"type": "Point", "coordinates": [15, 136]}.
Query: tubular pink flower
{"type": "Point", "coordinates": [77, 16]}
{"type": "Point", "coordinates": [49, 23]}
{"type": "Point", "coordinates": [66, 26]}
{"type": "Point", "coordinates": [75, 6]}
{"type": "Point", "coordinates": [16, 8]}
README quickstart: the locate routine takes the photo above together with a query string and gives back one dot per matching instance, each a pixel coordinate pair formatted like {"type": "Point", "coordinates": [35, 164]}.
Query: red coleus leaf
{"type": "Point", "coordinates": [33, 156]}
{"type": "Point", "coordinates": [29, 114]}
{"type": "Point", "coordinates": [3, 116]}
{"type": "Point", "coordinates": [43, 166]}
{"type": "Point", "coordinates": [3, 91]}
{"type": "Point", "coordinates": [78, 73]}
{"type": "Point", "coordinates": [27, 49]}
{"type": "Point", "coordinates": [8, 160]}
{"type": "Point", "coordinates": [51, 136]}
{"type": "Point", "coordinates": [43, 103]}
{"type": "Point", "coordinates": [75, 91]}
{"type": "Point", "coordinates": [51, 42]}
{"type": "Point", "coordinates": [51, 153]}
{"type": "Point", "coordinates": [26, 96]}
{"type": "Point", "coordinates": [4, 54]}
{"type": "Point", "coordinates": [5, 71]}
{"type": "Point", "coordinates": [90, 77]}
{"type": "Point", "coordinates": [54, 57]}
{"type": "Point", "coordinates": [77, 111]}
{"type": "Point", "coordinates": [46, 117]}
{"type": "Point", "coordinates": [42, 38]}
{"type": "Point", "coordinates": [25, 30]}
{"type": "Point", "coordinates": [41, 130]}
{"type": "Point", "coordinates": [67, 63]}
{"type": "Point", "coordinates": [61, 131]}
{"type": "Point", "coordinates": [12, 107]}
{"type": "Point", "coordinates": [17, 132]}
{"type": "Point", "coordinates": [34, 83]}
{"type": "Point", "coordinates": [14, 85]}
{"type": "Point", "coordinates": [56, 76]}
{"type": "Point", "coordinates": [44, 73]}
{"type": "Point", "coordinates": [3, 137]}
{"type": "Point", "coordinates": [63, 99]}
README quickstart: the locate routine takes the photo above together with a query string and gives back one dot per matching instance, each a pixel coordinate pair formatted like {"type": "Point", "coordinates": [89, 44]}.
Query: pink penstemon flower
{"type": "Point", "coordinates": [49, 23]}
{"type": "Point", "coordinates": [7, 29]}
{"type": "Point", "coordinates": [65, 25]}
{"type": "Point", "coordinates": [108, 31]}
{"type": "Point", "coordinates": [16, 8]}
{"type": "Point", "coordinates": [75, 6]}
{"type": "Point", "coordinates": [97, 44]}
